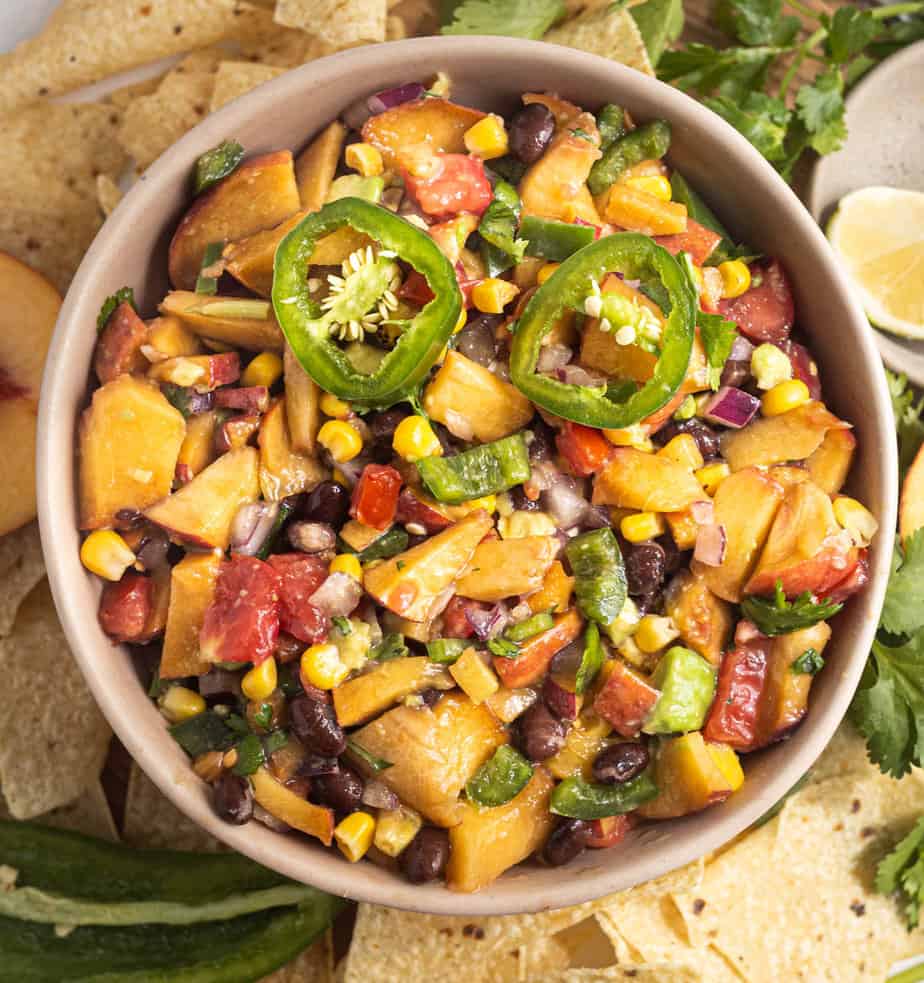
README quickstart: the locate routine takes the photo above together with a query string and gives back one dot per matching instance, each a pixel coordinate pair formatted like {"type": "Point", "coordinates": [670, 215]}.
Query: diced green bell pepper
{"type": "Point", "coordinates": [501, 778]}
{"type": "Point", "coordinates": [217, 163]}
{"type": "Point", "coordinates": [445, 651]}
{"type": "Point", "coordinates": [650, 141]}
{"type": "Point", "coordinates": [578, 799]}
{"type": "Point", "coordinates": [553, 240]}
{"type": "Point", "coordinates": [600, 575]}
{"type": "Point", "coordinates": [687, 684]}
{"type": "Point", "coordinates": [611, 122]}
{"type": "Point", "coordinates": [202, 733]}
{"type": "Point", "coordinates": [483, 470]}
{"type": "Point", "coordinates": [530, 626]}
{"type": "Point", "coordinates": [592, 660]}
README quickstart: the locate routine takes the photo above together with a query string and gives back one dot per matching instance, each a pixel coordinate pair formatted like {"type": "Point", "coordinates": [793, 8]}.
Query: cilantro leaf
{"type": "Point", "coordinates": [903, 608]}
{"type": "Point", "coordinates": [820, 107]}
{"type": "Point", "coordinates": [733, 71]}
{"type": "Point", "coordinates": [809, 663]}
{"type": "Point", "coordinates": [902, 871]}
{"type": "Point", "coordinates": [760, 118]}
{"type": "Point", "coordinates": [512, 18]}
{"type": "Point", "coordinates": [498, 229]}
{"type": "Point", "coordinates": [717, 336]}
{"type": "Point", "coordinates": [390, 647]}
{"type": "Point", "coordinates": [503, 648]}
{"type": "Point", "coordinates": [124, 295]}
{"type": "Point", "coordinates": [888, 708]}
{"type": "Point", "coordinates": [777, 616]}
{"type": "Point", "coordinates": [756, 22]}
{"type": "Point", "coordinates": [849, 32]}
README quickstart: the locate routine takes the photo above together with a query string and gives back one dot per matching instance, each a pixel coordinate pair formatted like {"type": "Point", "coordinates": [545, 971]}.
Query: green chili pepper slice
{"type": "Point", "coordinates": [578, 799]}
{"type": "Point", "coordinates": [216, 164]}
{"type": "Point", "coordinates": [637, 257]}
{"type": "Point", "coordinates": [483, 470]}
{"type": "Point", "coordinates": [611, 122]}
{"type": "Point", "coordinates": [522, 630]}
{"type": "Point", "coordinates": [308, 330]}
{"type": "Point", "coordinates": [649, 141]}
{"type": "Point", "coordinates": [204, 732]}
{"type": "Point", "coordinates": [501, 778]}
{"type": "Point", "coordinates": [592, 660]}
{"type": "Point", "coordinates": [445, 651]}
{"type": "Point", "coordinates": [600, 575]}
{"type": "Point", "coordinates": [553, 240]}
{"type": "Point", "coordinates": [687, 684]}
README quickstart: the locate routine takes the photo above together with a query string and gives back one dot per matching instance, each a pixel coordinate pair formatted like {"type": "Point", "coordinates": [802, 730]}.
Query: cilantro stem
{"type": "Point", "coordinates": [896, 10]}
{"type": "Point", "coordinates": [812, 41]}
{"type": "Point", "coordinates": [803, 9]}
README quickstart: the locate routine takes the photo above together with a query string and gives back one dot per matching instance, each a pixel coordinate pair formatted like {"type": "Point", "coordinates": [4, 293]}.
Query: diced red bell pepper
{"type": "Point", "coordinates": [585, 449]}
{"type": "Point", "coordinates": [412, 510]}
{"type": "Point", "coordinates": [416, 289]}
{"type": "Point", "coordinates": [242, 622]}
{"type": "Point", "coordinates": [608, 831]}
{"type": "Point", "coordinates": [698, 241]}
{"type": "Point", "coordinates": [455, 620]}
{"type": "Point", "coordinates": [125, 607]}
{"type": "Point", "coordinates": [855, 580]}
{"type": "Point", "coordinates": [458, 184]}
{"type": "Point", "coordinates": [537, 652]}
{"type": "Point", "coordinates": [626, 700]}
{"type": "Point", "coordinates": [299, 577]}
{"type": "Point", "coordinates": [766, 311]}
{"type": "Point", "coordinates": [375, 497]}
{"type": "Point", "coordinates": [734, 713]}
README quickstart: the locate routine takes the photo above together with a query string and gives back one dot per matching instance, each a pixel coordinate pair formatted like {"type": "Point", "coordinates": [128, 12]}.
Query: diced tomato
{"type": "Point", "coordinates": [608, 831]}
{"type": "Point", "coordinates": [125, 607]}
{"type": "Point", "coordinates": [375, 497]}
{"type": "Point", "coordinates": [585, 449]}
{"type": "Point", "coordinates": [766, 311]}
{"type": "Point", "coordinates": [855, 581]}
{"type": "Point", "coordinates": [416, 289]}
{"type": "Point", "coordinates": [455, 621]}
{"type": "Point", "coordinates": [698, 241]}
{"type": "Point", "coordinates": [412, 509]}
{"type": "Point", "coordinates": [299, 577]}
{"type": "Point", "coordinates": [242, 622]}
{"type": "Point", "coordinates": [803, 366]}
{"type": "Point", "coordinates": [458, 184]}
{"type": "Point", "coordinates": [626, 700]}
{"type": "Point", "coordinates": [734, 713]}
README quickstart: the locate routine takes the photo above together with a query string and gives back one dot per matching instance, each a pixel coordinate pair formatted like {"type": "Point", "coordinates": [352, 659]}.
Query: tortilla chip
{"type": "Point", "coordinates": [234, 78]}
{"type": "Point", "coordinates": [314, 965]}
{"type": "Point", "coordinates": [108, 194]}
{"type": "Point", "coordinates": [53, 739]}
{"type": "Point", "coordinates": [127, 94]}
{"type": "Point", "coordinates": [395, 28]}
{"type": "Point", "coordinates": [419, 16]}
{"type": "Point", "coordinates": [87, 40]}
{"type": "Point", "coordinates": [663, 973]}
{"type": "Point", "coordinates": [340, 23]}
{"type": "Point", "coordinates": [21, 568]}
{"type": "Point", "coordinates": [260, 39]}
{"type": "Point", "coordinates": [88, 814]}
{"type": "Point", "coordinates": [608, 31]}
{"type": "Point", "coordinates": [844, 755]}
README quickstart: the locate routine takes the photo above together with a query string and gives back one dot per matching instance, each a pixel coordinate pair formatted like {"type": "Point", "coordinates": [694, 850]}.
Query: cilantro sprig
{"type": "Point", "coordinates": [717, 336]}
{"type": "Point", "coordinates": [778, 616]}
{"type": "Point", "coordinates": [901, 872]}
{"type": "Point", "coordinates": [124, 295]}
{"type": "Point", "coordinates": [513, 18]}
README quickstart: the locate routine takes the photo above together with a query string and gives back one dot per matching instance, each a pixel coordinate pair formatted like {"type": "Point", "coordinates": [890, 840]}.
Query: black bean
{"type": "Point", "coordinates": [647, 602]}
{"type": "Point", "coordinates": [233, 798]}
{"type": "Point", "coordinates": [425, 857]}
{"type": "Point", "coordinates": [317, 764]}
{"type": "Point", "coordinates": [674, 559]}
{"type": "Point", "coordinates": [328, 503]}
{"type": "Point", "coordinates": [431, 697]}
{"type": "Point", "coordinates": [341, 790]}
{"type": "Point", "coordinates": [314, 723]}
{"type": "Point", "coordinates": [530, 132]}
{"type": "Point", "coordinates": [566, 842]}
{"type": "Point", "coordinates": [542, 734]}
{"type": "Point", "coordinates": [542, 445]}
{"type": "Point", "coordinates": [707, 440]}
{"type": "Point", "coordinates": [619, 763]}
{"type": "Point", "coordinates": [382, 426]}
{"type": "Point", "coordinates": [520, 501]}
{"type": "Point", "coordinates": [155, 545]}
{"type": "Point", "coordinates": [646, 565]}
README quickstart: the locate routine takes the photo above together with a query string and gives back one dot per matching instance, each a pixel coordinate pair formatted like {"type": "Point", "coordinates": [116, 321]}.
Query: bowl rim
{"type": "Point", "coordinates": [57, 428]}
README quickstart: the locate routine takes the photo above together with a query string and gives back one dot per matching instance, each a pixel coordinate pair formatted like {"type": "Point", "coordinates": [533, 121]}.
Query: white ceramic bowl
{"type": "Point", "coordinates": [490, 73]}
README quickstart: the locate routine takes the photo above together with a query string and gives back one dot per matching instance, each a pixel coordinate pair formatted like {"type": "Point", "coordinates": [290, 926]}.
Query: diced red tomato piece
{"type": "Point", "coordinates": [412, 509]}
{"type": "Point", "coordinates": [608, 831]}
{"type": "Point", "coordinates": [698, 241]}
{"type": "Point", "coordinates": [126, 606]}
{"type": "Point", "coordinates": [456, 623]}
{"type": "Point", "coordinates": [458, 184]}
{"type": "Point", "coordinates": [416, 289]}
{"type": "Point", "coordinates": [855, 581]}
{"type": "Point", "coordinates": [734, 713]}
{"type": "Point", "coordinates": [375, 497]}
{"type": "Point", "coordinates": [626, 700]}
{"type": "Point", "coordinates": [766, 311]}
{"type": "Point", "coordinates": [299, 577]}
{"type": "Point", "coordinates": [585, 449]}
{"type": "Point", "coordinates": [242, 622]}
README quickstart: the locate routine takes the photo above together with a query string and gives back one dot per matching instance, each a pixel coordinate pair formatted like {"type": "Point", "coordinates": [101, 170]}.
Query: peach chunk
{"type": "Point", "coordinates": [283, 471]}
{"type": "Point", "coordinates": [118, 348]}
{"type": "Point", "coordinates": [635, 480]}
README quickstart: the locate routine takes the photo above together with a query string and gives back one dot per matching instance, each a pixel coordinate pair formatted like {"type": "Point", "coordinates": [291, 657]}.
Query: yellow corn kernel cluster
{"type": "Point", "coordinates": [333, 407]}
{"type": "Point", "coordinates": [414, 439]}
{"type": "Point", "coordinates": [487, 139]}
{"type": "Point", "coordinates": [856, 518]}
{"type": "Point", "coordinates": [322, 667]}
{"type": "Point", "coordinates": [736, 277]}
{"type": "Point", "coordinates": [653, 184]}
{"type": "Point", "coordinates": [712, 475]}
{"type": "Point", "coordinates": [180, 703]}
{"type": "Point", "coordinates": [260, 681]}
{"type": "Point", "coordinates": [347, 563]}
{"type": "Point", "coordinates": [263, 370]}
{"type": "Point", "coordinates": [545, 272]}
{"type": "Point", "coordinates": [354, 835]}
{"type": "Point", "coordinates": [365, 159]}
{"type": "Point", "coordinates": [340, 440]}
{"type": "Point", "coordinates": [520, 524]}
{"type": "Point", "coordinates": [682, 450]}
{"type": "Point", "coordinates": [783, 397]}
{"type": "Point", "coordinates": [106, 554]}
{"type": "Point", "coordinates": [642, 526]}
{"type": "Point", "coordinates": [492, 295]}
{"type": "Point", "coordinates": [654, 632]}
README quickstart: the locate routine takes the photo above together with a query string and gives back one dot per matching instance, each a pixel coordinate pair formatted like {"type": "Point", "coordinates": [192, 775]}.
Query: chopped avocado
{"type": "Point", "coordinates": [687, 684]}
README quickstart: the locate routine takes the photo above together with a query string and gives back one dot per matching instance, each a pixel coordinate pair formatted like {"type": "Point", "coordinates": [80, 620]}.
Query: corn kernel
{"type": "Point", "coordinates": [784, 396]}
{"type": "Point", "coordinates": [655, 632]}
{"type": "Point", "coordinates": [856, 518]}
{"type": "Point", "coordinates": [635, 436]}
{"type": "Point", "coordinates": [521, 524]}
{"type": "Point", "coordinates": [263, 370]}
{"type": "Point", "coordinates": [545, 272]}
{"type": "Point", "coordinates": [712, 475]}
{"type": "Point", "coordinates": [652, 184]}
{"type": "Point", "coordinates": [492, 295]}
{"type": "Point", "coordinates": [460, 324]}
{"type": "Point", "coordinates": [259, 682]}
{"type": "Point", "coordinates": [487, 139]}
{"type": "Point", "coordinates": [354, 835]}
{"type": "Point", "coordinates": [335, 408]}
{"type": "Point", "coordinates": [106, 554]}
{"type": "Point", "coordinates": [321, 666]}
{"type": "Point", "coordinates": [365, 158]}
{"type": "Point", "coordinates": [486, 502]}
{"type": "Point", "coordinates": [642, 526]}
{"type": "Point", "coordinates": [180, 703]}
{"type": "Point", "coordinates": [682, 450]}
{"type": "Point", "coordinates": [342, 441]}
{"type": "Point", "coordinates": [414, 439]}
{"type": "Point", "coordinates": [395, 828]}
{"type": "Point", "coordinates": [347, 563]}
{"type": "Point", "coordinates": [736, 277]}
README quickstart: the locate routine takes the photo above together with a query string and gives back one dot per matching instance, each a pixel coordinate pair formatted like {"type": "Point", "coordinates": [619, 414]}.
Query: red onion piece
{"type": "Point", "coordinates": [564, 501]}
{"type": "Point", "coordinates": [710, 545]}
{"type": "Point", "coordinates": [378, 795]}
{"type": "Point", "coordinates": [252, 524]}
{"type": "Point", "coordinates": [490, 623]}
{"type": "Point", "coordinates": [803, 365]}
{"type": "Point", "coordinates": [741, 350]}
{"type": "Point", "coordinates": [389, 98]}
{"type": "Point", "coordinates": [553, 357]}
{"type": "Point", "coordinates": [702, 512]}
{"type": "Point", "coordinates": [731, 407]}
{"type": "Point", "coordinates": [576, 375]}
{"type": "Point", "coordinates": [311, 537]}
{"type": "Point", "coordinates": [337, 596]}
